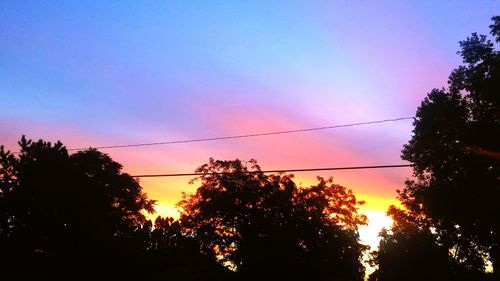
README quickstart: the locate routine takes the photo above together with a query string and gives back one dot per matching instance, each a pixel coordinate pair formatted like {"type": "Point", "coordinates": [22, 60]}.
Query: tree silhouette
{"type": "Point", "coordinates": [410, 252]}
{"type": "Point", "coordinates": [67, 214]}
{"type": "Point", "coordinates": [455, 151]}
{"type": "Point", "coordinates": [265, 227]}
{"type": "Point", "coordinates": [170, 254]}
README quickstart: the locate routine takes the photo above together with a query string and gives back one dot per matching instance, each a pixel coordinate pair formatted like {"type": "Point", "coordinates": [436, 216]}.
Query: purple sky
{"type": "Point", "coordinates": [114, 72]}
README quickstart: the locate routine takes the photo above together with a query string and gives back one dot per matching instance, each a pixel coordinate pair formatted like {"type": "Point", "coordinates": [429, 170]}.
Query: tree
{"type": "Point", "coordinates": [455, 151]}
{"type": "Point", "coordinates": [67, 214]}
{"type": "Point", "coordinates": [170, 254]}
{"type": "Point", "coordinates": [410, 252]}
{"type": "Point", "coordinates": [265, 227]}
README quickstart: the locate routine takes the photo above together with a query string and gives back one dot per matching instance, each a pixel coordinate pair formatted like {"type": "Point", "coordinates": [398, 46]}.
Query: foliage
{"type": "Point", "coordinates": [264, 226]}
{"type": "Point", "coordinates": [66, 212]}
{"type": "Point", "coordinates": [455, 150]}
{"type": "Point", "coordinates": [409, 252]}
{"type": "Point", "coordinates": [169, 254]}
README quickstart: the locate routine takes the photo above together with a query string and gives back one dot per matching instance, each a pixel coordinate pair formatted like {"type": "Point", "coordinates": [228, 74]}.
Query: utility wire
{"type": "Point", "coordinates": [277, 171]}
{"type": "Point", "coordinates": [248, 135]}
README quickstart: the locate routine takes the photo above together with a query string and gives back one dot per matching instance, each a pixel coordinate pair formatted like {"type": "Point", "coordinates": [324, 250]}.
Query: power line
{"type": "Point", "coordinates": [278, 171]}
{"type": "Point", "coordinates": [248, 135]}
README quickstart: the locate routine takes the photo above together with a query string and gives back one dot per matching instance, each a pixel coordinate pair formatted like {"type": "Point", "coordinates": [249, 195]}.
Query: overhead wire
{"type": "Point", "coordinates": [247, 135]}
{"type": "Point", "coordinates": [276, 171]}
{"type": "Point", "coordinates": [259, 135]}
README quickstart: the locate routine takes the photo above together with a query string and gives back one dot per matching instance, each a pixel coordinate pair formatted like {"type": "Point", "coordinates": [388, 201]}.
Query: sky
{"type": "Point", "coordinates": [97, 73]}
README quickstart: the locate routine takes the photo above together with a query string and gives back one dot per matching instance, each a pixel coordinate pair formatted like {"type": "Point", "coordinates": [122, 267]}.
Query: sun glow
{"type": "Point", "coordinates": [369, 234]}
{"type": "Point", "coordinates": [164, 210]}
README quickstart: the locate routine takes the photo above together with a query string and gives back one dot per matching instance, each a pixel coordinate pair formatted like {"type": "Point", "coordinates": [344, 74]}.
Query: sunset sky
{"type": "Point", "coordinates": [99, 73]}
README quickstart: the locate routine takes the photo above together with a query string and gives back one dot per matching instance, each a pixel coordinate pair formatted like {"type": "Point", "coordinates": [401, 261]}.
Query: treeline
{"type": "Point", "coordinates": [79, 216]}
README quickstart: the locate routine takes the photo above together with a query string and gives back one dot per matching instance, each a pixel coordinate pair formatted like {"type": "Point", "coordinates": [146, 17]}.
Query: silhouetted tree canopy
{"type": "Point", "coordinates": [64, 213]}
{"type": "Point", "coordinates": [78, 216]}
{"type": "Point", "coordinates": [169, 254]}
{"type": "Point", "coordinates": [264, 226]}
{"type": "Point", "coordinates": [409, 251]}
{"type": "Point", "coordinates": [455, 149]}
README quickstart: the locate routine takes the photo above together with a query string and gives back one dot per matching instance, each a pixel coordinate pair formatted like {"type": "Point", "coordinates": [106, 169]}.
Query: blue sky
{"type": "Point", "coordinates": [97, 73]}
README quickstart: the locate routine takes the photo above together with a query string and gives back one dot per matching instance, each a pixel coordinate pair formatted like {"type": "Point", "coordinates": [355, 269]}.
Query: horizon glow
{"type": "Point", "coordinates": [105, 73]}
